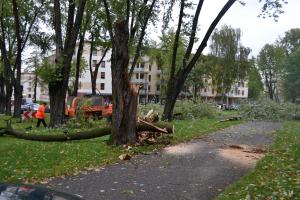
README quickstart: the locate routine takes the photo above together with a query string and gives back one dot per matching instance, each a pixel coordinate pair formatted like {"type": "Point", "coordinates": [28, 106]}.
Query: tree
{"type": "Point", "coordinates": [177, 78]}
{"type": "Point", "coordinates": [63, 55]}
{"type": "Point", "coordinates": [127, 22]}
{"type": "Point", "coordinates": [255, 84]}
{"type": "Point", "coordinates": [18, 20]}
{"type": "Point", "coordinates": [291, 80]}
{"type": "Point", "coordinates": [291, 41]}
{"type": "Point", "coordinates": [231, 58]}
{"type": "Point", "coordinates": [270, 63]}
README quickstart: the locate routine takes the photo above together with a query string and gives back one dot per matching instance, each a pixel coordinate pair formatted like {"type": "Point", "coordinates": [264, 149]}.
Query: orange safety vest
{"type": "Point", "coordinates": [110, 108]}
{"type": "Point", "coordinates": [40, 114]}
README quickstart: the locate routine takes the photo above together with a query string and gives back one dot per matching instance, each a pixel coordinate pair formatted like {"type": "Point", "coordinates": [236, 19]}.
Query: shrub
{"type": "Point", "coordinates": [184, 109]}
{"type": "Point", "coordinates": [265, 109]}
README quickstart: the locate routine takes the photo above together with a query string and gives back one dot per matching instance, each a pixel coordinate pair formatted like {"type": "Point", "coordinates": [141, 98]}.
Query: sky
{"type": "Point", "coordinates": [256, 32]}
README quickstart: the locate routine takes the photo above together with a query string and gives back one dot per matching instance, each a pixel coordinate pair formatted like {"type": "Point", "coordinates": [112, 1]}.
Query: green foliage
{"type": "Point", "coordinates": [190, 109]}
{"type": "Point", "coordinates": [255, 84]}
{"type": "Point", "coordinates": [266, 109]}
{"type": "Point", "coordinates": [291, 41]}
{"type": "Point", "coordinates": [291, 83]}
{"type": "Point", "coordinates": [47, 72]}
{"type": "Point", "coordinates": [270, 63]}
{"type": "Point", "coordinates": [231, 58]}
{"type": "Point", "coordinates": [277, 175]}
{"type": "Point", "coordinates": [185, 109]}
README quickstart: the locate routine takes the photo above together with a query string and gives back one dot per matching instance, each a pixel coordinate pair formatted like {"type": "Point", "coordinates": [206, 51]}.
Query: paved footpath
{"type": "Point", "coordinates": [197, 170]}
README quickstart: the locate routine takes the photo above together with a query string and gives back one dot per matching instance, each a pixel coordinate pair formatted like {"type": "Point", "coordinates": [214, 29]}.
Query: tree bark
{"type": "Point", "coordinates": [2, 94]}
{"type": "Point", "coordinates": [18, 88]}
{"type": "Point", "coordinates": [124, 95]}
{"type": "Point", "coordinates": [63, 58]}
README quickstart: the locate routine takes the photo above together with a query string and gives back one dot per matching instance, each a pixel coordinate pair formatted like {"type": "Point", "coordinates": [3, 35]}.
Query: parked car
{"type": "Point", "coordinates": [31, 192]}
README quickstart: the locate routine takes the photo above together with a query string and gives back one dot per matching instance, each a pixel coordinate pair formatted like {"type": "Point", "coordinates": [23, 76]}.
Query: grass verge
{"type": "Point", "coordinates": [277, 176]}
{"type": "Point", "coordinates": [31, 161]}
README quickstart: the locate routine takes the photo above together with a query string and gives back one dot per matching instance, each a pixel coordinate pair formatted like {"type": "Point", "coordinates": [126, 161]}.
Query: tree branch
{"type": "Point", "coordinates": [193, 33]}
{"type": "Point", "coordinates": [207, 35]}
{"type": "Point", "coordinates": [176, 41]}
{"type": "Point", "coordinates": [109, 21]}
{"type": "Point", "coordinates": [140, 42]}
{"type": "Point", "coordinates": [57, 27]}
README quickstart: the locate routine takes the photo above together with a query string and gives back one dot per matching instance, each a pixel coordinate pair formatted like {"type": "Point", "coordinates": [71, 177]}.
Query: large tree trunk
{"type": "Point", "coordinates": [2, 94]}
{"type": "Point", "coordinates": [124, 96]}
{"type": "Point", "coordinates": [99, 132]}
{"type": "Point", "coordinates": [9, 91]}
{"type": "Point", "coordinates": [63, 58]}
{"type": "Point", "coordinates": [18, 90]}
{"type": "Point", "coordinates": [57, 94]}
{"type": "Point", "coordinates": [175, 85]}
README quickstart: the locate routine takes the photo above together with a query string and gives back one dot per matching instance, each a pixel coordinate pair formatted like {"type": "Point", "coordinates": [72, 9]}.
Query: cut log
{"type": "Point", "coordinates": [81, 135]}
{"type": "Point", "coordinates": [61, 137]}
{"type": "Point", "coordinates": [162, 125]}
{"type": "Point", "coordinates": [158, 129]}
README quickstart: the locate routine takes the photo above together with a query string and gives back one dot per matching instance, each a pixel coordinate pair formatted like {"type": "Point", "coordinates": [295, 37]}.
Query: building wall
{"type": "Point", "coordinates": [27, 80]}
{"type": "Point", "coordinates": [85, 79]}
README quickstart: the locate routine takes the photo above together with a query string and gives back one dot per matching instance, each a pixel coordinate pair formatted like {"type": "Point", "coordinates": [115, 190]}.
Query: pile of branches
{"type": "Point", "coordinates": [158, 130]}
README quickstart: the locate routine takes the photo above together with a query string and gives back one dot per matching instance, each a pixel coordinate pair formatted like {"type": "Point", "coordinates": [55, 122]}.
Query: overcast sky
{"type": "Point", "coordinates": [256, 32]}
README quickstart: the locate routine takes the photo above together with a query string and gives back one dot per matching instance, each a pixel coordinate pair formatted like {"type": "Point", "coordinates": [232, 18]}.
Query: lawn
{"type": "Point", "coordinates": [277, 176]}
{"type": "Point", "coordinates": [30, 161]}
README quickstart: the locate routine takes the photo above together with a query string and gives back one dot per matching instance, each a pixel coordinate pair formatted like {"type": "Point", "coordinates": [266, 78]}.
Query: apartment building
{"type": "Point", "coordinates": [239, 91]}
{"type": "Point", "coordinates": [28, 83]}
{"type": "Point", "coordinates": [146, 73]}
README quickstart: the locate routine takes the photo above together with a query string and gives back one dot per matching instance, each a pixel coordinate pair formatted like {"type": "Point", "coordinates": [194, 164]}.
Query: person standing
{"type": "Point", "coordinates": [40, 115]}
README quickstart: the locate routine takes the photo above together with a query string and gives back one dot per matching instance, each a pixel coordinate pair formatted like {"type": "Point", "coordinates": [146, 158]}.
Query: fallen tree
{"type": "Point", "coordinates": [99, 132]}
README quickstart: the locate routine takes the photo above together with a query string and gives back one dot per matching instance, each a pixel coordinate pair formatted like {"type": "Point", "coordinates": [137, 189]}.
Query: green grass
{"type": "Point", "coordinates": [30, 161]}
{"type": "Point", "coordinates": [277, 176]}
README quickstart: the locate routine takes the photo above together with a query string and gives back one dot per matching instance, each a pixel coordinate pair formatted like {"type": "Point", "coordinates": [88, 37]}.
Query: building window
{"type": "Point", "coordinates": [142, 65]}
{"type": "Point", "coordinates": [29, 83]}
{"type": "Point", "coordinates": [95, 52]}
{"type": "Point", "coordinates": [158, 87]}
{"type": "Point", "coordinates": [29, 89]}
{"type": "Point", "coordinates": [243, 93]}
{"type": "Point", "coordinates": [149, 77]}
{"type": "Point", "coordinates": [238, 92]}
{"type": "Point", "coordinates": [103, 64]}
{"type": "Point", "coordinates": [243, 85]}
{"type": "Point", "coordinates": [150, 67]}
{"type": "Point", "coordinates": [205, 80]}
{"type": "Point", "coordinates": [141, 76]}
{"type": "Point", "coordinates": [138, 65]}
{"type": "Point", "coordinates": [94, 63]}
{"type": "Point", "coordinates": [137, 75]}
{"type": "Point", "coordinates": [205, 90]}
{"type": "Point", "coordinates": [102, 75]}
{"type": "Point", "coordinates": [149, 87]}
{"type": "Point", "coordinates": [29, 77]}
{"type": "Point", "coordinates": [239, 84]}
{"type": "Point", "coordinates": [102, 86]}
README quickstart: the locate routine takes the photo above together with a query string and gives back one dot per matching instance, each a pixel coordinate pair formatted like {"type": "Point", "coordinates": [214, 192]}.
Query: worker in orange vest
{"type": "Point", "coordinates": [109, 113]}
{"type": "Point", "coordinates": [40, 115]}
